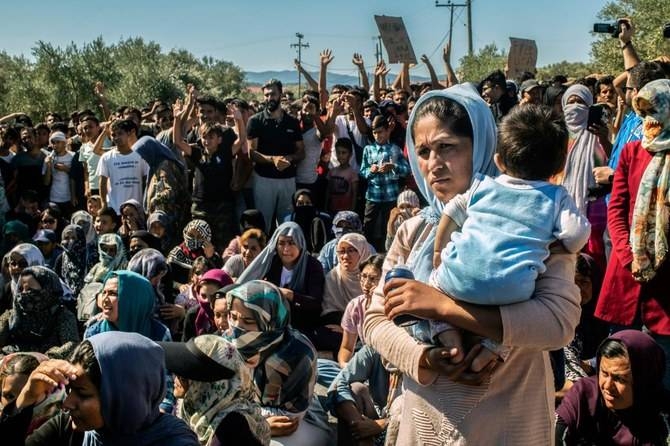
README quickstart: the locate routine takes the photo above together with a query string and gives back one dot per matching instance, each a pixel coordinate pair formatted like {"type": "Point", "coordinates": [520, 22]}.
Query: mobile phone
{"type": "Point", "coordinates": [597, 115]}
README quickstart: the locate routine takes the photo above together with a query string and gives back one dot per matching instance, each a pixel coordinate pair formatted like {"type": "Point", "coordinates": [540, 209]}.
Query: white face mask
{"type": "Point", "coordinates": [576, 116]}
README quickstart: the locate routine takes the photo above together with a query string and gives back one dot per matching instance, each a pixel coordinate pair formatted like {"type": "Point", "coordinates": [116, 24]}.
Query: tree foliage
{"type": "Point", "coordinates": [134, 72]}
{"type": "Point", "coordinates": [570, 69]}
{"type": "Point", "coordinates": [476, 67]}
{"type": "Point", "coordinates": [648, 17]}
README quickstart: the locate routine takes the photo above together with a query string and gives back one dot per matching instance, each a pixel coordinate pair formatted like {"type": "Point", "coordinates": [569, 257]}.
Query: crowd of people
{"type": "Point", "coordinates": [194, 272]}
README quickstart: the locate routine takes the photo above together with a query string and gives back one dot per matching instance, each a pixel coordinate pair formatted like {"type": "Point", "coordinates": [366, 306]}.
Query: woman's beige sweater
{"type": "Point", "coordinates": [514, 407]}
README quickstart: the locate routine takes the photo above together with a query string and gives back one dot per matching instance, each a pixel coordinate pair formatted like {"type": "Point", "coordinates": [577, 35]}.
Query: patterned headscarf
{"type": "Point", "coordinates": [648, 235]}
{"type": "Point", "coordinates": [204, 320]}
{"type": "Point", "coordinates": [84, 220]}
{"type": "Point", "coordinates": [73, 269]}
{"type": "Point", "coordinates": [200, 227]}
{"type": "Point", "coordinates": [259, 268]}
{"type": "Point", "coordinates": [34, 310]}
{"type": "Point", "coordinates": [206, 404]}
{"type": "Point", "coordinates": [350, 217]}
{"type": "Point", "coordinates": [107, 263]}
{"type": "Point", "coordinates": [584, 150]}
{"type": "Point", "coordinates": [286, 372]}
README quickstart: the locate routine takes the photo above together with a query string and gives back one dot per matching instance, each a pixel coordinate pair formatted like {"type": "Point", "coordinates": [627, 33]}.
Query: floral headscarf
{"type": "Point", "coordinates": [286, 372]}
{"type": "Point", "coordinates": [206, 404]}
{"type": "Point", "coordinates": [648, 235]}
{"type": "Point", "coordinates": [107, 263]}
{"type": "Point", "coordinates": [75, 255]}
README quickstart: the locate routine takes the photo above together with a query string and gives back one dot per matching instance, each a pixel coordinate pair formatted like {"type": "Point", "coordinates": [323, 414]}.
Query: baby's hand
{"type": "Point", "coordinates": [437, 259]}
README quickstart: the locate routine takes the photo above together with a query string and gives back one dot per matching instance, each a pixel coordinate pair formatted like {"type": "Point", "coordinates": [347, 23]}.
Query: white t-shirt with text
{"type": "Point", "coordinates": [124, 176]}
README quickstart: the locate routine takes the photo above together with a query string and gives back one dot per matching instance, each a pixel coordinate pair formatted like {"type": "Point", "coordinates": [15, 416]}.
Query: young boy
{"type": "Point", "coordinates": [507, 224]}
{"type": "Point", "coordinates": [342, 180]}
{"type": "Point", "coordinates": [56, 173]}
{"type": "Point", "coordinates": [382, 166]}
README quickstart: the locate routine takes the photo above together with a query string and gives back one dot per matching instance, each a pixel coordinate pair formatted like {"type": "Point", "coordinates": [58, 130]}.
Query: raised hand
{"type": "Point", "coordinates": [326, 57]}
{"type": "Point", "coordinates": [358, 60]}
{"type": "Point", "coordinates": [381, 69]}
{"type": "Point", "coordinates": [297, 64]}
{"type": "Point", "coordinates": [99, 89]}
{"type": "Point", "coordinates": [425, 59]}
{"type": "Point", "coordinates": [446, 53]}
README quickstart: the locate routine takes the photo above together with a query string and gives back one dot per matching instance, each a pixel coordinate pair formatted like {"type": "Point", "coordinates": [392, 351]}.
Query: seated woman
{"type": "Point", "coordinates": [188, 295]}
{"type": "Point", "coordinates": [19, 258]}
{"type": "Point", "coordinates": [252, 242]}
{"type": "Point", "coordinates": [85, 221]}
{"type": "Point", "coordinates": [108, 403]}
{"type": "Point", "coordinates": [623, 403]}
{"type": "Point", "coordinates": [158, 224]}
{"type": "Point", "coordinates": [343, 223]}
{"type": "Point", "coordinates": [112, 256]}
{"type": "Point", "coordinates": [127, 304]}
{"type": "Point", "coordinates": [218, 392]}
{"type": "Point", "coordinates": [197, 243]}
{"type": "Point", "coordinates": [314, 224]}
{"type": "Point", "coordinates": [142, 239]}
{"type": "Point", "coordinates": [342, 285]}
{"type": "Point", "coordinates": [52, 218]}
{"type": "Point", "coordinates": [200, 319]}
{"type": "Point", "coordinates": [14, 372]}
{"type": "Point", "coordinates": [132, 219]}
{"type": "Point", "coordinates": [151, 264]}
{"type": "Point", "coordinates": [286, 263]}
{"type": "Point", "coordinates": [72, 264]}
{"type": "Point", "coordinates": [284, 361]}
{"type": "Point", "coordinates": [250, 219]}
{"type": "Point", "coordinates": [354, 314]}
{"type": "Point", "coordinates": [38, 321]}
{"type": "Point", "coordinates": [364, 398]}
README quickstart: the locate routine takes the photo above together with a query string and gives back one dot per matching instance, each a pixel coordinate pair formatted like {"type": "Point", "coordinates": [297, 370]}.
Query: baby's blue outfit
{"type": "Point", "coordinates": [504, 241]}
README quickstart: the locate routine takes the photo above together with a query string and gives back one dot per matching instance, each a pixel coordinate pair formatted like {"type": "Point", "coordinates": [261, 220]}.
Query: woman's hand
{"type": "Point", "coordinates": [406, 296]}
{"type": "Point", "coordinates": [44, 379]}
{"type": "Point", "coordinates": [288, 294]}
{"type": "Point", "coordinates": [172, 311]}
{"type": "Point", "coordinates": [438, 359]}
{"type": "Point", "coordinates": [281, 426]}
{"type": "Point", "coordinates": [366, 428]}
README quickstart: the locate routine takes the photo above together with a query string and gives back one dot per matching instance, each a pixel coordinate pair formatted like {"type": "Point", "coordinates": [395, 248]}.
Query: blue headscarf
{"type": "Point", "coordinates": [136, 304]}
{"type": "Point", "coordinates": [154, 153]}
{"type": "Point", "coordinates": [131, 389]}
{"type": "Point", "coordinates": [483, 147]}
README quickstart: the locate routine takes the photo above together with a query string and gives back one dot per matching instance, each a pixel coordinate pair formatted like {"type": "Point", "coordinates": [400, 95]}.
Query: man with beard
{"type": "Point", "coordinates": [276, 146]}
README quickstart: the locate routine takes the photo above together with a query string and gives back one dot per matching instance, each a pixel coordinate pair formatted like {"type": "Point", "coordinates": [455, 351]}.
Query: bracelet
{"type": "Point", "coordinates": [629, 43]}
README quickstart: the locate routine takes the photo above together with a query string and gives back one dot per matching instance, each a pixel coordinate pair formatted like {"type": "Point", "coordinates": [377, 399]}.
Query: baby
{"type": "Point", "coordinates": [506, 225]}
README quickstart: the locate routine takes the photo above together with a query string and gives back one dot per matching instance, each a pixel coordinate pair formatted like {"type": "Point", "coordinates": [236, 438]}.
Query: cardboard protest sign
{"type": "Point", "coordinates": [522, 57]}
{"type": "Point", "coordinates": [395, 38]}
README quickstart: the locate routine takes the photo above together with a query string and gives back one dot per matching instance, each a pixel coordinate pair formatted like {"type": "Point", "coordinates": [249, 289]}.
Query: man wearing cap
{"type": "Point", "coordinates": [47, 241]}
{"type": "Point", "coordinates": [530, 92]}
{"type": "Point", "coordinates": [56, 173]}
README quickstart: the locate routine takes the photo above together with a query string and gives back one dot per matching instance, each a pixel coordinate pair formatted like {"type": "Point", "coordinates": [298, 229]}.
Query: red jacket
{"type": "Point", "coordinates": [621, 297]}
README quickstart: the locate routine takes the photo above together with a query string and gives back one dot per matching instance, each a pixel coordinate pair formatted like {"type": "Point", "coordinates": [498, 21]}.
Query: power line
{"type": "Point", "coordinates": [299, 45]}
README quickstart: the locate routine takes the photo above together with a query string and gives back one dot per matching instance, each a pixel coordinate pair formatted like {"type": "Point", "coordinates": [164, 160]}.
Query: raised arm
{"type": "Point", "coordinates": [433, 76]}
{"type": "Point", "coordinates": [451, 75]}
{"type": "Point", "coordinates": [313, 85]}
{"type": "Point", "coordinates": [358, 61]}
{"type": "Point", "coordinates": [99, 90]}
{"type": "Point", "coordinates": [325, 58]}
{"type": "Point", "coordinates": [179, 113]}
{"type": "Point", "coordinates": [630, 57]}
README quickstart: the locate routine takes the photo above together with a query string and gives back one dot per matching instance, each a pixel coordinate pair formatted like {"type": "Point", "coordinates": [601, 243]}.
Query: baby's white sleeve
{"type": "Point", "coordinates": [572, 228]}
{"type": "Point", "coordinates": [457, 208]}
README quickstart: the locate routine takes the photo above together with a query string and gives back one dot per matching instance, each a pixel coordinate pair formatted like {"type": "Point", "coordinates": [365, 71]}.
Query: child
{"type": "Point", "coordinates": [382, 166]}
{"type": "Point", "coordinates": [507, 224]}
{"type": "Point", "coordinates": [342, 180]}
{"type": "Point", "coordinates": [93, 204]}
{"type": "Point", "coordinates": [407, 207]}
{"type": "Point", "coordinates": [56, 172]}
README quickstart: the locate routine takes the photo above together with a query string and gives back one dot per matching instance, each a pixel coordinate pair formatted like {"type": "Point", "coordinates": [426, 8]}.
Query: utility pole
{"type": "Point", "coordinates": [378, 48]}
{"type": "Point", "coordinates": [299, 46]}
{"type": "Point", "coordinates": [451, 6]}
